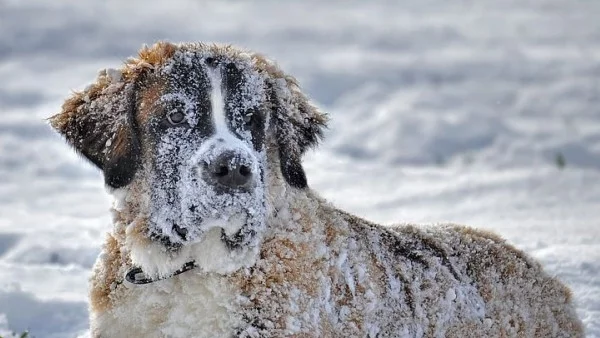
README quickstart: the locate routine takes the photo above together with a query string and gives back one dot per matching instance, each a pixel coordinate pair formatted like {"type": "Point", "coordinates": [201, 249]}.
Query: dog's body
{"type": "Point", "coordinates": [202, 148]}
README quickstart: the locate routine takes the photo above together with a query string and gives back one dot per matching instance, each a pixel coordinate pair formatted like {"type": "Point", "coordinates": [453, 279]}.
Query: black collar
{"type": "Point", "coordinates": [136, 275]}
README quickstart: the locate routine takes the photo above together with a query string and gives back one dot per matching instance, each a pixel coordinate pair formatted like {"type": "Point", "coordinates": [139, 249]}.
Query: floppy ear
{"type": "Point", "coordinates": [298, 126]}
{"type": "Point", "coordinates": [99, 123]}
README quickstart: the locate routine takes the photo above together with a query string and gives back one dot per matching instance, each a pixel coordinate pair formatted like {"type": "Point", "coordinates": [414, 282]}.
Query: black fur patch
{"type": "Point", "coordinates": [293, 139]}
{"type": "Point", "coordinates": [291, 168]}
{"type": "Point", "coordinates": [119, 171]}
{"type": "Point", "coordinates": [240, 118]}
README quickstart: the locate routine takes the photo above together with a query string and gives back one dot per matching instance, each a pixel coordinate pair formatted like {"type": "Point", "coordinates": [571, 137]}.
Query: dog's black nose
{"type": "Point", "coordinates": [230, 170]}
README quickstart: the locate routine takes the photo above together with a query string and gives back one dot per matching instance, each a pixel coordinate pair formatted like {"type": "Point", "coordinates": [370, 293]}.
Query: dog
{"type": "Point", "coordinates": [217, 234]}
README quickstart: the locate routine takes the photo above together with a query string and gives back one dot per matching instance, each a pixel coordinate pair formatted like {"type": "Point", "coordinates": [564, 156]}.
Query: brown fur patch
{"type": "Point", "coordinates": [104, 280]}
{"type": "Point", "coordinates": [138, 232]}
{"type": "Point", "coordinates": [331, 233]}
{"type": "Point", "coordinates": [290, 256]}
{"type": "Point", "coordinates": [149, 96]}
{"type": "Point", "coordinates": [151, 57]}
{"type": "Point", "coordinates": [501, 247]}
{"type": "Point", "coordinates": [121, 142]}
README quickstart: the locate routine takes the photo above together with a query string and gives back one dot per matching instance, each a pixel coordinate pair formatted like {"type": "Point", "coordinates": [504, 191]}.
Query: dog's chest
{"type": "Point", "coordinates": [187, 305]}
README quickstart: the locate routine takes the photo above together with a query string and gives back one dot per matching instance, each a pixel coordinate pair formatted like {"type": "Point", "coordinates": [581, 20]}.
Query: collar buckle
{"type": "Point", "coordinates": [136, 275]}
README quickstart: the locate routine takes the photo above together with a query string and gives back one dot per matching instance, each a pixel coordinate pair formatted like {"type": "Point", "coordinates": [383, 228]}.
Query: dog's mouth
{"type": "Point", "coordinates": [235, 230]}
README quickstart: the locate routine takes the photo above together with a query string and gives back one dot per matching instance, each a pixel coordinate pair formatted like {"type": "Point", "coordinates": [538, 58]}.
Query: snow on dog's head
{"type": "Point", "coordinates": [190, 136]}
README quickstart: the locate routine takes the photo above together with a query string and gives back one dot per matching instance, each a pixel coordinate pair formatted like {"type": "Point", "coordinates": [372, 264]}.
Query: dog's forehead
{"type": "Point", "coordinates": [149, 95]}
{"type": "Point", "coordinates": [185, 73]}
{"type": "Point", "coordinates": [188, 76]}
{"type": "Point", "coordinates": [190, 71]}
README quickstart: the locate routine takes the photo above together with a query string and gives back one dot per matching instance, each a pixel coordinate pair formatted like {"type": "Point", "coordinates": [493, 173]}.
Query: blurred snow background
{"type": "Point", "coordinates": [478, 112]}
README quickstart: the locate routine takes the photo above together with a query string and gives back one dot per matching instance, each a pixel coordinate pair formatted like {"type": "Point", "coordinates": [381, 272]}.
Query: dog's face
{"type": "Point", "coordinates": [195, 128]}
{"type": "Point", "coordinates": [202, 122]}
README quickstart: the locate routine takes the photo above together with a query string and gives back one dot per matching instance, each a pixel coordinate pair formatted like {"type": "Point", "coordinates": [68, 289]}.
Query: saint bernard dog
{"type": "Point", "coordinates": [217, 234]}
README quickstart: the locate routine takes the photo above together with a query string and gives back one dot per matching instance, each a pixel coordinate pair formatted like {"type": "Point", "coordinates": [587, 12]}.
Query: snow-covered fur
{"type": "Point", "coordinates": [274, 260]}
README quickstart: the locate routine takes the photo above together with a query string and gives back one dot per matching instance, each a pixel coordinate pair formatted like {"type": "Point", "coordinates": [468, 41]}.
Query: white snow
{"type": "Point", "coordinates": [440, 111]}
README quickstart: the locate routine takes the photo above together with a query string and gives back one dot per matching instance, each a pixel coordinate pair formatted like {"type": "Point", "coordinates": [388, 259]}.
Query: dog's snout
{"type": "Point", "coordinates": [230, 170]}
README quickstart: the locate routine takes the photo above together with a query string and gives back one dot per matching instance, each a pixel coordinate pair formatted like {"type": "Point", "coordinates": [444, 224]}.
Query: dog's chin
{"type": "Point", "coordinates": [220, 245]}
{"type": "Point", "coordinates": [234, 230]}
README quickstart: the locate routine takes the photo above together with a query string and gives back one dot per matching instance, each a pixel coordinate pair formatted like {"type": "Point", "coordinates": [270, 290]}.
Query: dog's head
{"type": "Point", "coordinates": [196, 128]}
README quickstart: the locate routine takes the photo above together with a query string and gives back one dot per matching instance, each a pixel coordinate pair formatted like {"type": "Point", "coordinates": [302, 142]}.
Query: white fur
{"type": "Point", "coordinates": [217, 102]}
{"type": "Point", "coordinates": [193, 304]}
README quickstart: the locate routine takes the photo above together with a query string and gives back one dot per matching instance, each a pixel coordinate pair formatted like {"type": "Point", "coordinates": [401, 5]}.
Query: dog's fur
{"type": "Point", "coordinates": [279, 260]}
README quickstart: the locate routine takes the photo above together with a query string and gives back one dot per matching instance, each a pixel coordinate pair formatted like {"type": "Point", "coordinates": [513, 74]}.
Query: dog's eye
{"type": "Point", "coordinates": [176, 118]}
{"type": "Point", "coordinates": [248, 119]}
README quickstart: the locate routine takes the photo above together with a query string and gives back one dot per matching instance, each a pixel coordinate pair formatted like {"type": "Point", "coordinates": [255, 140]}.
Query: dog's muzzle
{"type": "Point", "coordinates": [219, 188]}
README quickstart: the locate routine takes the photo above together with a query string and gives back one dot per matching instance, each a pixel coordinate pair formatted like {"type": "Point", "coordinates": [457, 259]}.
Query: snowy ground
{"type": "Point", "coordinates": [441, 111]}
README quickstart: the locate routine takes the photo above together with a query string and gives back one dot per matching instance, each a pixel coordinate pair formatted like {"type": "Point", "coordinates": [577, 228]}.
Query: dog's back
{"type": "Point", "coordinates": [460, 282]}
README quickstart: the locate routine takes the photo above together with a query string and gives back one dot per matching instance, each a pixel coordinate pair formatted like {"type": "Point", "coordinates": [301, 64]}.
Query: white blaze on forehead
{"type": "Point", "coordinates": [218, 102]}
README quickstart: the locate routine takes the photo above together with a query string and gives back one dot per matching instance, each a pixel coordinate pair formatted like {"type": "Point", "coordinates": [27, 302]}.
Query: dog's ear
{"type": "Point", "coordinates": [298, 126]}
{"type": "Point", "coordinates": [99, 123]}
